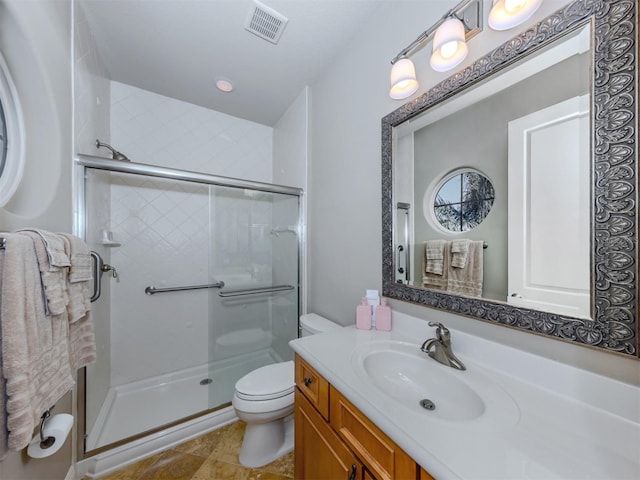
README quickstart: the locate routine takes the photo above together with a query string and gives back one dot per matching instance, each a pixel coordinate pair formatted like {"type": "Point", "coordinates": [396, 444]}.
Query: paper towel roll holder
{"type": "Point", "coordinates": [49, 441]}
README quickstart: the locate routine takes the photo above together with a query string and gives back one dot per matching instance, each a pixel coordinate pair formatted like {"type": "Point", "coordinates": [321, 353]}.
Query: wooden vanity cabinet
{"type": "Point", "coordinates": [320, 455]}
{"type": "Point", "coordinates": [334, 440]}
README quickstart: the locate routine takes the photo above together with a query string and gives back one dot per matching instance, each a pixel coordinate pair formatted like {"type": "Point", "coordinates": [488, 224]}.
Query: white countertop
{"type": "Point", "coordinates": [560, 422]}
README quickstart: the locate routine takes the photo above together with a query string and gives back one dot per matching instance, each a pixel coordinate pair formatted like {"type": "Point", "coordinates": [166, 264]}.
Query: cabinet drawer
{"type": "Point", "coordinates": [313, 386]}
{"type": "Point", "coordinates": [381, 456]}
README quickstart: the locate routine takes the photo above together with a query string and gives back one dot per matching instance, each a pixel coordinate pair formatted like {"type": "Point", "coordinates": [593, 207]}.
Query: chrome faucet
{"type": "Point", "coordinates": [439, 348]}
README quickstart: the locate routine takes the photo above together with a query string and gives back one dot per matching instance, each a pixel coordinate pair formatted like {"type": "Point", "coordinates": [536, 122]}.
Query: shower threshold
{"type": "Point", "coordinates": [134, 408]}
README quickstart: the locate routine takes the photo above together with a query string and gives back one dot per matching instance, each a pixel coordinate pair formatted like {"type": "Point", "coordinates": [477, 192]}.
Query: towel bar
{"type": "Point", "coordinates": [150, 290]}
{"type": "Point", "coordinates": [255, 291]}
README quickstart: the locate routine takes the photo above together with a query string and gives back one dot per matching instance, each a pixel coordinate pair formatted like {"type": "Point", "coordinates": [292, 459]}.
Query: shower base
{"type": "Point", "coordinates": [141, 406]}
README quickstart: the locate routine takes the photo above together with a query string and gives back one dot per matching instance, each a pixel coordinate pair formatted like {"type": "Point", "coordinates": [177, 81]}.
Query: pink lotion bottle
{"type": "Point", "coordinates": [363, 315]}
{"type": "Point", "coordinates": [383, 316]}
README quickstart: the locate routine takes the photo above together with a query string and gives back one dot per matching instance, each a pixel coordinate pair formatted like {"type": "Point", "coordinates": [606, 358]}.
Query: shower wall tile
{"type": "Point", "coordinates": [163, 233]}
{"type": "Point", "coordinates": [163, 226]}
{"type": "Point", "coordinates": [154, 129]}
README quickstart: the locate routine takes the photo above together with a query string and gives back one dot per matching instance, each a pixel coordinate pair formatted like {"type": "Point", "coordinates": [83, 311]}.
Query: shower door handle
{"type": "Point", "coordinates": [99, 267]}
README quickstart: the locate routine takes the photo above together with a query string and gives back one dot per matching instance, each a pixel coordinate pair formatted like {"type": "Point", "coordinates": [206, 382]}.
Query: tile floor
{"type": "Point", "coordinates": [212, 456]}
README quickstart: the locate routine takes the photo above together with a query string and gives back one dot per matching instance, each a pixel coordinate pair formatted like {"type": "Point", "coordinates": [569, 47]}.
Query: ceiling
{"type": "Point", "coordinates": [178, 48]}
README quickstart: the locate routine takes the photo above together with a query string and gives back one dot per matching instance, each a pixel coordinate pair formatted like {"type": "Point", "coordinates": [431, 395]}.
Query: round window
{"type": "Point", "coordinates": [463, 200]}
{"type": "Point", "coordinates": [11, 138]}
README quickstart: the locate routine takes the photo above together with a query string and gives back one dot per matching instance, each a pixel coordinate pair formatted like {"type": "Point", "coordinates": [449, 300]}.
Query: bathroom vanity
{"type": "Point", "coordinates": [359, 411]}
{"type": "Point", "coordinates": [335, 440]}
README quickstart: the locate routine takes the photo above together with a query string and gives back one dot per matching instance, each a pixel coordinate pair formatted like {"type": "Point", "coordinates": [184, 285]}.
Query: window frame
{"type": "Point", "coordinates": [14, 159]}
{"type": "Point", "coordinates": [440, 184]}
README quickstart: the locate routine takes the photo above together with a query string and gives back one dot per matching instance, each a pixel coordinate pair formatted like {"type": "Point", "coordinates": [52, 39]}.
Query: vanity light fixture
{"type": "Point", "coordinates": [449, 45]}
{"type": "Point", "coordinates": [506, 14]}
{"type": "Point", "coordinates": [450, 35]}
{"type": "Point", "coordinates": [403, 79]}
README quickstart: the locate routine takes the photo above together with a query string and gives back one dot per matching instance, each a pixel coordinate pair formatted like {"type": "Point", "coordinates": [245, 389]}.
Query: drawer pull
{"type": "Point", "coordinates": [353, 472]}
{"type": "Point", "coordinates": [307, 381]}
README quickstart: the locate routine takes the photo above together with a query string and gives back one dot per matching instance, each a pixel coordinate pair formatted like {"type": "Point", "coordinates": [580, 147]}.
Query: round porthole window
{"type": "Point", "coordinates": [11, 138]}
{"type": "Point", "coordinates": [462, 200]}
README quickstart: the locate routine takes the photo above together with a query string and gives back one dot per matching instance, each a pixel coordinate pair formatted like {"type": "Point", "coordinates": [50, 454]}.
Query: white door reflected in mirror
{"type": "Point", "coordinates": [548, 211]}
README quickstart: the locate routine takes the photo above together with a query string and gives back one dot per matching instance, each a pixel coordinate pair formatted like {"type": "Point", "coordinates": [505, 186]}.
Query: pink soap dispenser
{"type": "Point", "coordinates": [363, 315]}
{"type": "Point", "coordinates": [383, 316]}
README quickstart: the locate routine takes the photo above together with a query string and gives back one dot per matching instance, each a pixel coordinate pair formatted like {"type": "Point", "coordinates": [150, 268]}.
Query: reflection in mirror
{"type": "Point", "coordinates": [479, 131]}
{"type": "Point", "coordinates": [463, 200]}
{"type": "Point", "coordinates": [542, 117]}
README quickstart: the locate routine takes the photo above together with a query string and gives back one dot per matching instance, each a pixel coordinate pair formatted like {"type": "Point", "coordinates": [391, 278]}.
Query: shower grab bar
{"type": "Point", "coordinates": [255, 291]}
{"type": "Point", "coordinates": [150, 290]}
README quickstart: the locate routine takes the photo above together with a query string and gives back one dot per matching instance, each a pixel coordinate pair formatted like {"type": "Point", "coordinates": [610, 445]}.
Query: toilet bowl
{"type": "Point", "coordinates": [264, 400]}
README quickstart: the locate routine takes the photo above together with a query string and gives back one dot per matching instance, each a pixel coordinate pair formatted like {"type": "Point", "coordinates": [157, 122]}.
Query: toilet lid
{"type": "Point", "coordinates": [265, 383]}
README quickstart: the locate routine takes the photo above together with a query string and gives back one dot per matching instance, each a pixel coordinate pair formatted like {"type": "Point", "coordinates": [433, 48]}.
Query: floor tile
{"type": "Point", "coordinates": [283, 466]}
{"type": "Point", "coordinates": [215, 469]}
{"type": "Point", "coordinates": [204, 445]}
{"type": "Point", "coordinates": [213, 456]}
{"type": "Point", "coordinates": [173, 465]}
{"type": "Point", "coordinates": [133, 471]}
{"type": "Point", "coordinates": [228, 448]}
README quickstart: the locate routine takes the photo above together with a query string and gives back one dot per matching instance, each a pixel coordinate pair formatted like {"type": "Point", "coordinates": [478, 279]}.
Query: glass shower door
{"type": "Point", "coordinates": [254, 251]}
{"type": "Point", "coordinates": [172, 342]}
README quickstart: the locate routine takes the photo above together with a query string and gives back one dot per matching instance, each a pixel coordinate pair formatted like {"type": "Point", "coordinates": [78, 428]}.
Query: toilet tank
{"type": "Point", "coordinates": [311, 323]}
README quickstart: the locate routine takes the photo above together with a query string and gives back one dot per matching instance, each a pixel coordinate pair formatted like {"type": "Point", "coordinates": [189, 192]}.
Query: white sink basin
{"type": "Point", "coordinates": [405, 374]}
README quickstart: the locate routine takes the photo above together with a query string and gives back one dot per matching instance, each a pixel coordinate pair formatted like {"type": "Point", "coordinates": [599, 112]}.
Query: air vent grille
{"type": "Point", "coordinates": [265, 22]}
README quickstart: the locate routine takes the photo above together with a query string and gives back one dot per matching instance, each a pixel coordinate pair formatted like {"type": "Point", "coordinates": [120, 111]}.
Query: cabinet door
{"type": "Point", "coordinates": [319, 452]}
{"type": "Point", "coordinates": [383, 458]}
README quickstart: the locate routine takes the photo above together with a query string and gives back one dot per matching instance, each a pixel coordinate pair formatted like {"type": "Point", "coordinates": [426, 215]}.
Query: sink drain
{"type": "Point", "coordinates": [427, 404]}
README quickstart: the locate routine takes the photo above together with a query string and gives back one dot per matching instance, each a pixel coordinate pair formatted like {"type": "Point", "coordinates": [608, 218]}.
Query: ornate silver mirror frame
{"type": "Point", "coordinates": [614, 215]}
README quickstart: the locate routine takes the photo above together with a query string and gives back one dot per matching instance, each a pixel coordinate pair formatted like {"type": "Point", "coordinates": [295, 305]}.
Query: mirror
{"type": "Point", "coordinates": [548, 119]}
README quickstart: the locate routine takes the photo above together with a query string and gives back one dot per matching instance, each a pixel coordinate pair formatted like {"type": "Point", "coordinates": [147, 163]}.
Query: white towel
{"type": "Point", "coordinates": [53, 278]}
{"type": "Point", "coordinates": [54, 245]}
{"type": "Point", "coordinates": [459, 250]}
{"type": "Point", "coordinates": [82, 344]}
{"type": "Point", "coordinates": [79, 294]}
{"type": "Point", "coordinates": [434, 251]}
{"type": "Point", "coordinates": [468, 280]}
{"type": "Point", "coordinates": [78, 252]}
{"type": "Point", "coordinates": [35, 349]}
{"type": "Point", "coordinates": [431, 279]}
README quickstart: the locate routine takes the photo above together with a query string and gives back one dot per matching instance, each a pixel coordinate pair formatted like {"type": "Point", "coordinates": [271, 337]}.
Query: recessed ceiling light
{"type": "Point", "coordinates": [224, 84]}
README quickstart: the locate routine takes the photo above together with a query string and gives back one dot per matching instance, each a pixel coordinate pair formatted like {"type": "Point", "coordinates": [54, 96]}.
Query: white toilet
{"type": "Point", "coordinates": [264, 400]}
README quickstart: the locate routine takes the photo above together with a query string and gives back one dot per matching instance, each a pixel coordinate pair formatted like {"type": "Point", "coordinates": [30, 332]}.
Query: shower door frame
{"type": "Point", "coordinates": [82, 164]}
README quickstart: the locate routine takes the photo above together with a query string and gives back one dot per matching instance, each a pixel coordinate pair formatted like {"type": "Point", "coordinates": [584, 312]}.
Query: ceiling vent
{"type": "Point", "coordinates": [265, 22]}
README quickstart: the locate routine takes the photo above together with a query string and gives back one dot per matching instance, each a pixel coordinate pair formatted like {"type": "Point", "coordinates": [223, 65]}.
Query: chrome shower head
{"type": "Point", "coordinates": [115, 154]}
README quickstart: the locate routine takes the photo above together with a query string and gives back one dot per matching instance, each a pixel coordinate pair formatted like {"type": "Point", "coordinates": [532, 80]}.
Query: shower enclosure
{"type": "Point", "coordinates": [201, 286]}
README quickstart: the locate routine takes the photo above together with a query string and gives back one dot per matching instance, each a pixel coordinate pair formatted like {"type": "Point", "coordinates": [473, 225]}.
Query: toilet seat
{"type": "Point", "coordinates": [267, 383]}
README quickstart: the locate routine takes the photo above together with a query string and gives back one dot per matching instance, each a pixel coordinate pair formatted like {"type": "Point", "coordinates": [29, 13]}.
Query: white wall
{"type": "Point", "coordinates": [35, 39]}
{"type": "Point", "coordinates": [344, 208]}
